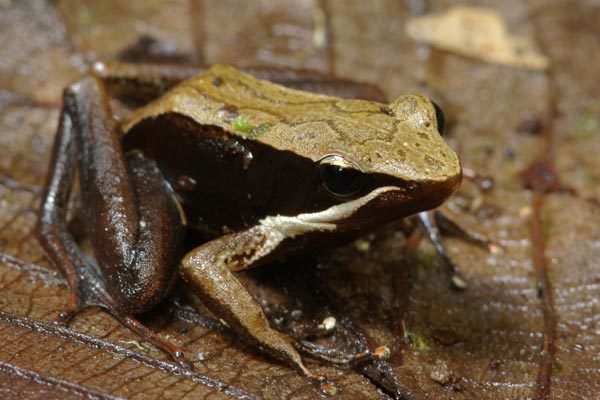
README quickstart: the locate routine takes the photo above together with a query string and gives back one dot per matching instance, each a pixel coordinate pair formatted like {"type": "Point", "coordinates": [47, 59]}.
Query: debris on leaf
{"type": "Point", "coordinates": [382, 353]}
{"type": "Point", "coordinates": [362, 245]}
{"type": "Point", "coordinates": [328, 389]}
{"type": "Point", "coordinates": [417, 341]}
{"type": "Point", "coordinates": [442, 374]}
{"type": "Point", "coordinates": [477, 32]}
{"type": "Point", "coordinates": [329, 324]}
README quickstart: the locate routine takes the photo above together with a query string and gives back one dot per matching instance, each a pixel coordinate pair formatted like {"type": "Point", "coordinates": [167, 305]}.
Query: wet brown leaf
{"type": "Point", "coordinates": [527, 326]}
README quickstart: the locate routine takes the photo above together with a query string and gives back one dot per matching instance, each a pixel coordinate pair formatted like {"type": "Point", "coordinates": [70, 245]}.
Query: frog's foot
{"type": "Point", "coordinates": [137, 327]}
{"type": "Point", "coordinates": [69, 312]}
{"type": "Point", "coordinates": [329, 355]}
{"type": "Point", "coordinates": [449, 227]}
{"type": "Point", "coordinates": [174, 351]}
{"type": "Point", "coordinates": [428, 220]}
{"type": "Point", "coordinates": [339, 357]}
{"type": "Point", "coordinates": [87, 290]}
{"type": "Point", "coordinates": [434, 222]}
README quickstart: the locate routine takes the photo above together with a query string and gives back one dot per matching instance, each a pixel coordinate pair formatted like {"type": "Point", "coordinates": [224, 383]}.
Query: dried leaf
{"type": "Point", "coordinates": [500, 338]}
{"type": "Point", "coordinates": [477, 32]}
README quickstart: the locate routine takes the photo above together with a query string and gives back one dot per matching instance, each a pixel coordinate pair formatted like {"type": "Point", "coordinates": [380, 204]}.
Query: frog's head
{"type": "Point", "coordinates": [369, 162]}
{"type": "Point", "coordinates": [382, 162]}
{"type": "Point", "coordinates": [378, 162]}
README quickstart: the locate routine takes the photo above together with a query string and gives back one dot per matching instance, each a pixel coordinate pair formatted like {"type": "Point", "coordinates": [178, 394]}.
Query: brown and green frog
{"type": "Point", "coordinates": [259, 170]}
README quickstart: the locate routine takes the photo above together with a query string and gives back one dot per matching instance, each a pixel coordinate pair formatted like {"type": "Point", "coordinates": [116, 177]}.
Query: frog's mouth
{"type": "Point", "coordinates": [381, 205]}
{"type": "Point", "coordinates": [326, 220]}
{"type": "Point", "coordinates": [390, 203]}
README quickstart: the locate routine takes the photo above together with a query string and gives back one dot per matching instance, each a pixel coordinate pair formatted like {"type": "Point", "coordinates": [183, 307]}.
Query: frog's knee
{"type": "Point", "coordinates": [194, 262]}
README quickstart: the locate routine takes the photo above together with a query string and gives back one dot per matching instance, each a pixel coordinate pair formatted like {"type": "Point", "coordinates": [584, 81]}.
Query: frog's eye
{"type": "Point", "coordinates": [439, 116]}
{"type": "Point", "coordinates": [339, 176]}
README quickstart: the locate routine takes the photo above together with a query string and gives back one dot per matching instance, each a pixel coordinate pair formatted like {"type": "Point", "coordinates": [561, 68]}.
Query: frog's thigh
{"type": "Point", "coordinates": [208, 269]}
{"type": "Point", "coordinates": [134, 225]}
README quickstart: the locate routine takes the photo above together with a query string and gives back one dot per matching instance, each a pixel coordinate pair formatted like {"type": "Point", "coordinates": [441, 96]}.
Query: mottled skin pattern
{"type": "Point", "coordinates": [250, 165]}
{"type": "Point", "coordinates": [404, 142]}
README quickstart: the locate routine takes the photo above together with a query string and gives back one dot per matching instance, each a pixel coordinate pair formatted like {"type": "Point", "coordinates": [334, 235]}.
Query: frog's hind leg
{"type": "Point", "coordinates": [133, 221]}
{"type": "Point", "coordinates": [208, 269]}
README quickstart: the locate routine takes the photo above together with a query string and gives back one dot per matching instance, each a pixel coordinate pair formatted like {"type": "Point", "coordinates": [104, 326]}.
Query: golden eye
{"type": "Point", "coordinates": [339, 176]}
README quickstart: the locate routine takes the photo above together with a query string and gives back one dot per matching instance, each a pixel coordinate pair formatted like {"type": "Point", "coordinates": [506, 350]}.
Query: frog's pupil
{"type": "Point", "coordinates": [441, 120]}
{"type": "Point", "coordinates": [339, 180]}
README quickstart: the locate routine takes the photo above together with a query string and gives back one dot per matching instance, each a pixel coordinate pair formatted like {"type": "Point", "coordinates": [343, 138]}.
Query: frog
{"type": "Point", "coordinates": [259, 170]}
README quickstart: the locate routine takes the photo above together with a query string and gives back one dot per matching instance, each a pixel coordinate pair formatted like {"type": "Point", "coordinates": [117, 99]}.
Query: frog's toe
{"type": "Point", "coordinates": [67, 314]}
{"type": "Point", "coordinates": [85, 291]}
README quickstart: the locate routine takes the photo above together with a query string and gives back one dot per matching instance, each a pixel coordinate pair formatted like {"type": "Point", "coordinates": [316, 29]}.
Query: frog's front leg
{"type": "Point", "coordinates": [132, 220]}
{"type": "Point", "coordinates": [208, 269]}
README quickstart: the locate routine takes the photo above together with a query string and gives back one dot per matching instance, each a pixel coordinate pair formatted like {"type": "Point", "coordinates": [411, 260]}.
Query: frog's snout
{"type": "Point", "coordinates": [431, 194]}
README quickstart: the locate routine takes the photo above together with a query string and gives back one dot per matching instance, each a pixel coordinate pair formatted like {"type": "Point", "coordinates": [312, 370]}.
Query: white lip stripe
{"type": "Point", "coordinates": [289, 227]}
